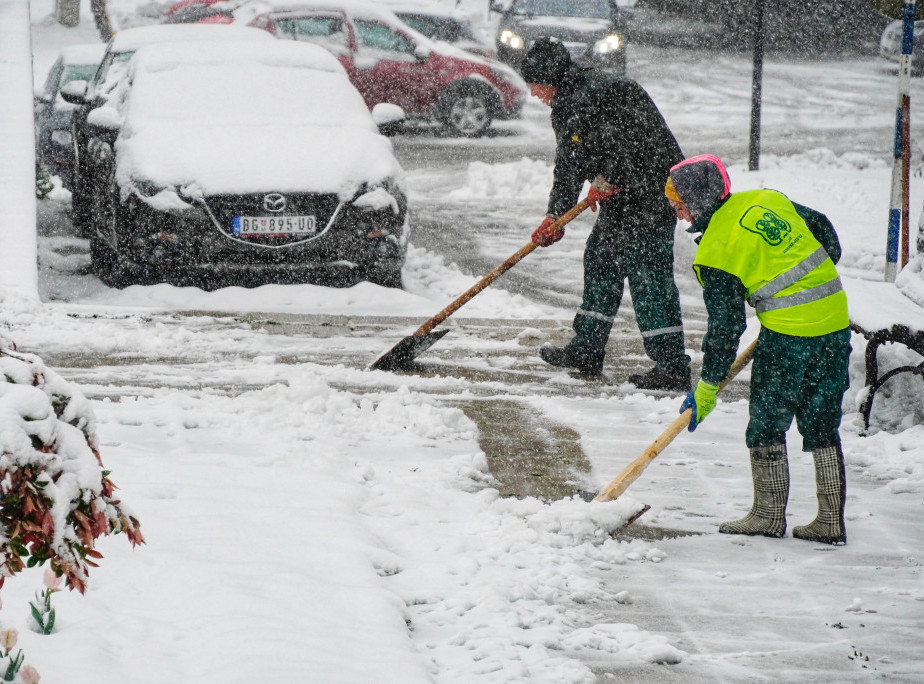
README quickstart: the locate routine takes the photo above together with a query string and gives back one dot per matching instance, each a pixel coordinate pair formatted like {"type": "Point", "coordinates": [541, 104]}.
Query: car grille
{"type": "Point", "coordinates": [224, 208]}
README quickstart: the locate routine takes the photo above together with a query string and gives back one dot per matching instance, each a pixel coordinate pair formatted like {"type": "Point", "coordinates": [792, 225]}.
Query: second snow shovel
{"type": "Point", "coordinates": [631, 472]}
{"type": "Point", "coordinates": [412, 346]}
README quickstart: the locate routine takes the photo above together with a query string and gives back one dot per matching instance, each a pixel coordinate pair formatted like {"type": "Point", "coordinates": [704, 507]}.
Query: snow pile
{"type": "Point", "coordinates": [525, 179]}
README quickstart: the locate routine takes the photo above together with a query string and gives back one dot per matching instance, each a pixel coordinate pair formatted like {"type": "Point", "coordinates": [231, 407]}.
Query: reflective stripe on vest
{"type": "Point", "coordinates": [763, 298]}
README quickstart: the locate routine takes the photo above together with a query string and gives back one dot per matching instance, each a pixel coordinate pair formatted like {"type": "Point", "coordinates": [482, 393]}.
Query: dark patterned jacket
{"type": "Point", "coordinates": [609, 125]}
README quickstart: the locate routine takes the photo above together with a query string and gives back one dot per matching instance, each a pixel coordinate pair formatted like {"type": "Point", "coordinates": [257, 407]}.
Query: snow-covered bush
{"type": "Point", "coordinates": [55, 497]}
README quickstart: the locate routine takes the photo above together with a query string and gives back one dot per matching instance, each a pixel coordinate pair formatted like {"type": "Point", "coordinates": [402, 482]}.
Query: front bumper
{"type": "Point", "coordinates": [197, 244]}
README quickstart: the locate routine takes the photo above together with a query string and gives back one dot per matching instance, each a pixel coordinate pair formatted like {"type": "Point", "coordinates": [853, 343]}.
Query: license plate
{"type": "Point", "coordinates": [271, 226]}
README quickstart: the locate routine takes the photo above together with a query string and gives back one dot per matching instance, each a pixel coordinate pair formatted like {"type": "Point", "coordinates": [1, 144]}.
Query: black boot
{"type": "Point", "coordinates": [830, 484]}
{"type": "Point", "coordinates": [660, 379]}
{"type": "Point", "coordinates": [770, 473]}
{"type": "Point", "coordinates": [586, 360]}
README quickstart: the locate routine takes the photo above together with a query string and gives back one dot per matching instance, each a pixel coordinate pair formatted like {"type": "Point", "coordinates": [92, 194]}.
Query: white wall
{"type": "Point", "coordinates": [18, 248]}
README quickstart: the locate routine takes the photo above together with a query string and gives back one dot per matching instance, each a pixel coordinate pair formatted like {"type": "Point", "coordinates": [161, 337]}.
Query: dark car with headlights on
{"type": "Point", "coordinates": [242, 164]}
{"type": "Point", "coordinates": [592, 30]}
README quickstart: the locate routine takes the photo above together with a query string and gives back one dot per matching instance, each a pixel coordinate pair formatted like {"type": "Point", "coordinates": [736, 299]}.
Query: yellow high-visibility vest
{"type": "Point", "coordinates": [759, 237]}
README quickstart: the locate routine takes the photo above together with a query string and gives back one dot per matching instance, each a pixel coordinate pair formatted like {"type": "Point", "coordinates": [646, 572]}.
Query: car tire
{"type": "Point", "coordinates": [81, 210]}
{"type": "Point", "coordinates": [466, 109]}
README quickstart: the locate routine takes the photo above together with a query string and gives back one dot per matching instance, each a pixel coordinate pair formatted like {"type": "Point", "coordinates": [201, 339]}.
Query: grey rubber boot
{"type": "Point", "coordinates": [831, 487]}
{"type": "Point", "coordinates": [770, 472]}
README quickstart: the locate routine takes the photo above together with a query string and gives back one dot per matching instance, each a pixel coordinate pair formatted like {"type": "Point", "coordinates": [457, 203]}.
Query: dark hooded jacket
{"type": "Point", "coordinates": [609, 126]}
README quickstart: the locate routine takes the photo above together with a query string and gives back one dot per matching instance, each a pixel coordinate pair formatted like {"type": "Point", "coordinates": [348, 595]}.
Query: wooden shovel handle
{"type": "Point", "coordinates": [497, 272]}
{"type": "Point", "coordinates": [630, 473]}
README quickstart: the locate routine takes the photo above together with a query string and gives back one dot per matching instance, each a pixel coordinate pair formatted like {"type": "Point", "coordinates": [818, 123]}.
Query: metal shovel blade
{"type": "Point", "coordinates": [402, 354]}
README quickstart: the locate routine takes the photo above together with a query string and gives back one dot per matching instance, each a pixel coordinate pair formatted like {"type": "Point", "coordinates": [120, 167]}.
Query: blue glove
{"type": "Point", "coordinates": [702, 400]}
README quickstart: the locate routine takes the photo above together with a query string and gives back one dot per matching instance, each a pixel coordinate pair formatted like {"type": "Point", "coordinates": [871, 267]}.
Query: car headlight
{"type": "Point", "coordinates": [610, 43]}
{"type": "Point", "coordinates": [512, 40]}
{"type": "Point", "coordinates": [62, 137]}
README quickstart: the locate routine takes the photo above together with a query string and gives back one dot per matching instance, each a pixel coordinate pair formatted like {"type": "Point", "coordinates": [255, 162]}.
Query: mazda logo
{"type": "Point", "coordinates": [275, 202]}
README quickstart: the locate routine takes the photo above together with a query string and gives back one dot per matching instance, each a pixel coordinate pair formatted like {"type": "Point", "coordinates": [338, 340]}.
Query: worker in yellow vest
{"type": "Point", "coordinates": [761, 248]}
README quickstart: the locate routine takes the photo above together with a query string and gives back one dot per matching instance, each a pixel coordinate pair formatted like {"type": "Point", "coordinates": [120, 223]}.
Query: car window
{"type": "Point", "coordinates": [597, 9]}
{"type": "Point", "coordinates": [380, 41]}
{"type": "Point", "coordinates": [326, 31]}
{"type": "Point", "coordinates": [77, 72]}
{"type": "Point", "coordinates": [438, 28]}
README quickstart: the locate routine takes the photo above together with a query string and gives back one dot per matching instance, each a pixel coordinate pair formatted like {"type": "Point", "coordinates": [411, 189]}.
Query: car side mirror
{"type": "Point", "coordinates": [422, 53]}
{"type": "Point", "coordinates": [388, 117]}
{"type": "Point", "coordinates": [39, 96]}
{"type": "Point", "coordinates": [75, 92]}
{"type": "Point", "coordinates": [105, 123]}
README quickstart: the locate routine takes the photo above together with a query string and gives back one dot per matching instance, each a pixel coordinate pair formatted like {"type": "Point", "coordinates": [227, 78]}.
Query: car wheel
{"type": "Point", "coordinates": [81, 210]}
{"type": "Point", "coordinates": [466, 110]}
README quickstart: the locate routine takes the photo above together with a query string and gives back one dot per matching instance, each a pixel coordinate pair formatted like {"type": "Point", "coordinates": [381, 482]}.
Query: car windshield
{"type": "Point", "coordinates": [596, 9]}
{"type": "Point", "coordinates": [218, 96]}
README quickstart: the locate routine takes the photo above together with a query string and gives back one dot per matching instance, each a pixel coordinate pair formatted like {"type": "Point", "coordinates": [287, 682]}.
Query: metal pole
{"type": "Point", "coordinates": [756, 86]}
{"type": "Point", "coordinates": [897, 241]}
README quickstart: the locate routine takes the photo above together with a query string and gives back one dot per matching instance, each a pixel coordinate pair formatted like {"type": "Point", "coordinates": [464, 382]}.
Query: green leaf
{"type": "Point", "coordinates": [37, 616]}
{"type": "Point", "coordinates": [50, 625]}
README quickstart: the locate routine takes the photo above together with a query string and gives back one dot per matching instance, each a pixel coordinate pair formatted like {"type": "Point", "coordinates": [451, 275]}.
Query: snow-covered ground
{"type": "Point", "coordinates": [311, 521]}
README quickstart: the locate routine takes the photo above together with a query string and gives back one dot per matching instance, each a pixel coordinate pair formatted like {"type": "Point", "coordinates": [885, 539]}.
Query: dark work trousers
{"type": "Point", "coordinates": [647, 262]}
{"type": "Point", "coordinates": [801, 377]}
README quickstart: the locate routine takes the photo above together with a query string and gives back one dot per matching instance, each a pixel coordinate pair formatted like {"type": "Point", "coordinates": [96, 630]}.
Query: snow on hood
{"type": "Point", "coordinates": [234, 125]}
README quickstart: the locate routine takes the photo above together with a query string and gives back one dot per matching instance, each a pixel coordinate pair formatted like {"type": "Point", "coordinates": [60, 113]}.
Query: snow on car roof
{"type": "Point", "coordinates": [282, 53]}
{"type": "Point", "coordinates": [83, 53]}
{"type": "Point", "coordinates": [131, 39]}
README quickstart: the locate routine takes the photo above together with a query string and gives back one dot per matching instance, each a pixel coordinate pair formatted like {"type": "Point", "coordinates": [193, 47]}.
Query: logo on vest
{"type": "Point", "coordinates": [771, 227]}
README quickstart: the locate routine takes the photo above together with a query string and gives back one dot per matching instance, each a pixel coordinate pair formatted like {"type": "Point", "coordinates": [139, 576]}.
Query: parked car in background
{"type": "Point", "coordinates": [243, 163]}
{"type": "Point", "coordinates": [87, 95]}
{"type": "Point", "coordinates": [890, 45]}
{"type": "Point", "coordinates": [54, 145]}
{"type": "Point", "coordinates": [199, 12]}
{"type": "Point", "coordinates": [439, 22]}
{"type": "Point", "coordinates": [592, 30]}
{"type": "Point", "coordinates": [388, 61]}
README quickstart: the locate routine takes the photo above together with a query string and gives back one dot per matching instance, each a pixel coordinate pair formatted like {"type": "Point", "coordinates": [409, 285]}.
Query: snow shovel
{"type": "Point", "coordinates": [632, 471]}
{"type": "Point", "coordinates": [412, 346]}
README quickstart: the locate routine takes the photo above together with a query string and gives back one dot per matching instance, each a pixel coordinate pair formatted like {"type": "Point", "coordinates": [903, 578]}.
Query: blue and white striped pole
{"type": "Point", "coordinates": [898, 205]}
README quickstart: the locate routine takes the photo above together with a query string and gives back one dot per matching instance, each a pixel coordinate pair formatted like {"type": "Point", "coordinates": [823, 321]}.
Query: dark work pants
{"type": "Point", "coordinates": [648, 264]}
{"type": "Point", "coordinates": [798, 377]}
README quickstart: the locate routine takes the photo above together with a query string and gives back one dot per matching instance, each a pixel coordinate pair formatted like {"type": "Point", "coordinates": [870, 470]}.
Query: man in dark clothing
{"type": "Point", "coordinates": [610, 133]}
{"type": "Point", "coordinates": [759, 247]}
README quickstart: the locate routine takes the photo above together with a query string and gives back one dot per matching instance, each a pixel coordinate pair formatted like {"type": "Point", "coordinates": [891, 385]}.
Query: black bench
{"type": "Point", "coordinates": [883, 315]}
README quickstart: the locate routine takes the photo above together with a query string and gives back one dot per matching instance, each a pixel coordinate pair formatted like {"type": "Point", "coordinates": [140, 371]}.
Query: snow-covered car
{"type": "Point", "coordinates": [87, 95]}
{"type": "Point", "coordinates": [54, 143]}
{"type": "Point", "coordinates": [439, 22]}
{"type": "Point", "coordinates": [243, 163]}
{"type": "Point", "coordinates": [592, 30]}
{"type": "Point", "coordinates": [890, 45]}
{"type": "Point", "coordinates": [388, 61]}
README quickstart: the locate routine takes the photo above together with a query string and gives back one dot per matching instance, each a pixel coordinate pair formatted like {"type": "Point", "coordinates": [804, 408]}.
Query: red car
{"type": "Point", "coordinates": [388, 61]}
